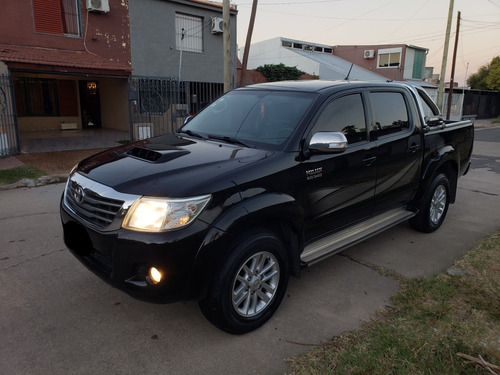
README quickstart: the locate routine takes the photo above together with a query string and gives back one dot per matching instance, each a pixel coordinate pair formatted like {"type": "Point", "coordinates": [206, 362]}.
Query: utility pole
{"type": "Point", "coordinates": [445, 58]}
{"type": "Point", "coordinates": [247, 43]}
{"type": "Point", "coordinates": [452, 79]}
{"type": "Point", "coordinates": [226, 45]}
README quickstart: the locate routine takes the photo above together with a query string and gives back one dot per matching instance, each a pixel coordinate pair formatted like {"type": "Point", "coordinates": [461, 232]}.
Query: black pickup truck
{"type": "Point", "coordinates": [266, 180]}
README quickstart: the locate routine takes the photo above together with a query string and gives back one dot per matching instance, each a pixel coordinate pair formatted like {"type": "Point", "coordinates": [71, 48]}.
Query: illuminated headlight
{"type": "Point", "coordinates": [150, 214]}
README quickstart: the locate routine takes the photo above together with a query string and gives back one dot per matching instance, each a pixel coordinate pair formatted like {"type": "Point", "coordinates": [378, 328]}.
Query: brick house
{"type": "Point", "coordinates": [397, 62]}
{"type": "Point", "coordinates": [69, 62]}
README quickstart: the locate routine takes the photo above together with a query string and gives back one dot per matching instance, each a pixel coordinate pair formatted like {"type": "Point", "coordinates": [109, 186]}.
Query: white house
{"type": "Point", "coordinates": [311, 58]}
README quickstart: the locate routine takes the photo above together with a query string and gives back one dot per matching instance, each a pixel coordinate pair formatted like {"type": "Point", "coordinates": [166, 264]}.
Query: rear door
{"type": "Point", "coordinates": [339, 189]}
{"type": "Point", "coordinates": [399, 148]}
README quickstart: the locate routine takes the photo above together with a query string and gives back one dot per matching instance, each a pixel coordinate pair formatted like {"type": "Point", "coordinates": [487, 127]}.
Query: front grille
{"type": "Point", "coordinates": [94, 208]}
{"type": "Point", "coordinates": [101, 261]}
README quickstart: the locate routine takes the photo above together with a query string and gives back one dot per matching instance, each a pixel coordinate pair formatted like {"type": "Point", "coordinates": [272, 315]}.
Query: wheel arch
{"type": "Point", "coordinates": [445, 164]}
{"type": "Point", "coordinates": [276, 213]}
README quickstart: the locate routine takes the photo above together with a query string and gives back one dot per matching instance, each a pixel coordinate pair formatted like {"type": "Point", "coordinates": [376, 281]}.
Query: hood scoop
{"type": "Point", "coordinates": [153, 156]}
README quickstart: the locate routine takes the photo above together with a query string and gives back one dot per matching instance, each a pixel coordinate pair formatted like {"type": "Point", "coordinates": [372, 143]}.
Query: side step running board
{"type": "Point", "coordinates": [339, 241]}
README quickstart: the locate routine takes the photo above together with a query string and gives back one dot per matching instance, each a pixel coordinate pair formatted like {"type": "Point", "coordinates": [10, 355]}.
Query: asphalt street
{"type": "Point", "coordinates": [58, 318]}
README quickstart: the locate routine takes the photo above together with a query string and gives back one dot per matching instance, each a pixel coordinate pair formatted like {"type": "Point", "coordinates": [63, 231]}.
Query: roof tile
{"type": "Point", "coordinates": [61, 58]}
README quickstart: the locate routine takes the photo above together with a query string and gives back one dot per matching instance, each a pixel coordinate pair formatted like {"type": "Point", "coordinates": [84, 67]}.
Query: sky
{"type": "Point", "coordinates": [420, 23]}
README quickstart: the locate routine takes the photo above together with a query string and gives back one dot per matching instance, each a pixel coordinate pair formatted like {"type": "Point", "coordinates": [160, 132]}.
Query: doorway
{"type": "Point", "coordinates": [90, 104]}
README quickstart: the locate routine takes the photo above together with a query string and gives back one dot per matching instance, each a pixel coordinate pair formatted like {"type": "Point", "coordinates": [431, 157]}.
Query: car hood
{"type": "Point", "coordinates": [169, 165]}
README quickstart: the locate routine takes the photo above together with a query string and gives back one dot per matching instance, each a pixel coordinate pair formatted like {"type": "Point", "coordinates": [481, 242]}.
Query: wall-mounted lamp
{"type": "Point", "coordinates": [92, 88]}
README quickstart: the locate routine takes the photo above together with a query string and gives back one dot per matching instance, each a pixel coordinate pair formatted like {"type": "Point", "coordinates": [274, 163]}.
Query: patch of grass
{"type": "Point", "coordinates": [431, 324]}
{"type": "Point", "coordinates": [496, 120]}
{"type": "Point", "coordinates": [9, 176]}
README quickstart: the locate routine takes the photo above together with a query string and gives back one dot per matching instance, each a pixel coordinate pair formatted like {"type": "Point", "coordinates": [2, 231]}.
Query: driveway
{"type": "Point", "coordinates": [58, 318]}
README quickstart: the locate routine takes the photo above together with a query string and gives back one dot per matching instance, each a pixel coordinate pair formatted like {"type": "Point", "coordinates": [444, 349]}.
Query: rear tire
{"type": "Point", "coordinates": [250, 284]}
{"type": "Point", "coordinates": [434, 207]}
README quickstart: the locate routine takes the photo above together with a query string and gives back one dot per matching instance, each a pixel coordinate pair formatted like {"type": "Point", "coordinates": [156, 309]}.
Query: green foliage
{"type": "Point", "coordinates": [12, 175]}
{"type": "Point", "coordinates": [487, 77]}
{"type": "Point", "coordinates": [477, 81]}
{"type": "Point", "coordinates": [432, 323]}
{"type": "Point", "coordinates": [279, 72]}
{"type": "Point", "coordinates": [493, 79]}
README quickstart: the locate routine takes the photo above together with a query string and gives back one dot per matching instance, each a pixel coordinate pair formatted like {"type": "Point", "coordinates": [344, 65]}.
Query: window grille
{"type": "Point", "coordinates": [188, 33]}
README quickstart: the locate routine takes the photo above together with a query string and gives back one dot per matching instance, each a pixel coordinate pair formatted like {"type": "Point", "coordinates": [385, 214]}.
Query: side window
{"type": "Point", "coordinates": [346, 115]}
{"type": "Point", "coordinates": [428, 106]}
{"type": "Point", "coordinates": [390, 111]}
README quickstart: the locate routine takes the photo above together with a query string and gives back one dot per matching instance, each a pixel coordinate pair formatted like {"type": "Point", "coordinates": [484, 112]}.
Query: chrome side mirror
{"type": "Point", "coordinates": [328, 142]}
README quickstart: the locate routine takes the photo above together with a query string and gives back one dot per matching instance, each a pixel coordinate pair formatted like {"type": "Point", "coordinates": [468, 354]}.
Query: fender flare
{"type": "Point", "coordinates": [445, 160]}
{"type": "Point", "coordinates": [277, 209]}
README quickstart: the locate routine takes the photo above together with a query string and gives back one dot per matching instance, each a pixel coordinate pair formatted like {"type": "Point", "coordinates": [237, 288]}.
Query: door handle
{"type": "Point", "coordinates": [369, 160]}
{"type": "Point", "coordinates": [414, 148]}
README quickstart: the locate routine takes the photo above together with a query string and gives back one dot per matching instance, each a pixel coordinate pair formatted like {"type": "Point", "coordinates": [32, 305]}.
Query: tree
{"type": "Point", "coordinates": [493, 79]}
{"type": "Point", "coordinates": [279, 72]}
{"type": "Point", "coordinates": [487, 77]}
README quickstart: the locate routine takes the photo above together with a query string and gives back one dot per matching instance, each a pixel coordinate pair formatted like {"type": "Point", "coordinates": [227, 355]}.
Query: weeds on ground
{"type": "Point", "coordinates": [446, 324]}
{"type": "Point", "coordinates": [9, 176]}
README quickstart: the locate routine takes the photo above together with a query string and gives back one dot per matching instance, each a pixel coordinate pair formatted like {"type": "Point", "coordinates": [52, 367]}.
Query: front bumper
{"type": "Point", "coordinates": [123, 258]}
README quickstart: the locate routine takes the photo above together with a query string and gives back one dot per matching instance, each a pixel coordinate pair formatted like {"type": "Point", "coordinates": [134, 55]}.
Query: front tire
{"type": "Point", "coordinates": [435, 206]}
{"type": "Point", "coordinates": [249, 285]}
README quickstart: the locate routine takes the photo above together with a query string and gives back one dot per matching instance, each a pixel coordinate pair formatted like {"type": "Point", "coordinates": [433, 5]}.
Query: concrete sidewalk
{"type": "Point", "coordinates": [10, 162]}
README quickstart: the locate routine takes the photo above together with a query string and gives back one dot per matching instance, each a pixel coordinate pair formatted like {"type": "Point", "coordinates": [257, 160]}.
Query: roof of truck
{"type": "Point", "coordinates": [312, 85]}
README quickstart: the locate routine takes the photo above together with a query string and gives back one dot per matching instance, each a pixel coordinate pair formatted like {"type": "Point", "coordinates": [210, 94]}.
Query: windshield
{"type": "Point", "coordinates": [264, 119]}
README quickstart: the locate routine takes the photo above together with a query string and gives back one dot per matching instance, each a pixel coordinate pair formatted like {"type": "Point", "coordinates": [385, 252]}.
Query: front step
{"type": "Point", "coordinates": [339, 241]}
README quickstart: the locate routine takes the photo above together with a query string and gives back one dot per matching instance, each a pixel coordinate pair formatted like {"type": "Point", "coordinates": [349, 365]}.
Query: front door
{"type": "Point", "coordinates": [90, 104]}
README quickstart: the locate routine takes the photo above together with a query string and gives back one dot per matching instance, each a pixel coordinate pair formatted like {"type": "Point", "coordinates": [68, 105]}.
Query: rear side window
{"type": "Point", "coordinates": [347, 115]}
{"type": "Point", "coordinates": [428, 106]}
{"type": "Point", "coordinates": [390, 112]}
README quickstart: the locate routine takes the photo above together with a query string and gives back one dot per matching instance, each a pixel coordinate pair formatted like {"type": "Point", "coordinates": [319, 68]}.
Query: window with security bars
{"type": "Point", "coordinates": [61, 17]}
{"type": "Point", "coordinates": [188, 33]}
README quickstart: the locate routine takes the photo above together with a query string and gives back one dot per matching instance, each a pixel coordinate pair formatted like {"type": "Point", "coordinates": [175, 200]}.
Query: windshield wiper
{"type": "Point", "coordinates": [193, 134]}
{"type": "Point", "coordinates": [228, 139]}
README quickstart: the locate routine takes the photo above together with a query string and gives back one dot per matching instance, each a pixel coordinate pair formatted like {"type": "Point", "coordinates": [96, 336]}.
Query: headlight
{"type": "Point", "coordinates": [161, 214]}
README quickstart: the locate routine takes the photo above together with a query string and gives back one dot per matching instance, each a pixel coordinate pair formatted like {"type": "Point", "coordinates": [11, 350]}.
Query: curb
{"type": "Point", "coordinates": [36, 182]}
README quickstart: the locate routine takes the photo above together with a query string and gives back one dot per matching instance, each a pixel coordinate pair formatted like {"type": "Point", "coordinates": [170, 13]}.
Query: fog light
{"type": "Point", "coordinates": [155, 275]}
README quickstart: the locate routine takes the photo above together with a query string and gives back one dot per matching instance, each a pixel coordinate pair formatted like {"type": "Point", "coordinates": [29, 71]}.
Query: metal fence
{"type": "Point", "coordinates": [483, 104]}
{"type": "Point", "coordinates": [159, 105]}
{"type": "Point", "coordinates": [468, 103]}
{"type": "Point", "coordinates": [9, 134]}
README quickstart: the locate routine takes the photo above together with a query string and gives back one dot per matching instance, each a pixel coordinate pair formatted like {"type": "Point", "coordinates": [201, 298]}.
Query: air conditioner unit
{"type": "Point", "coordinates": [369, 54]}
{"type": "Point", "coordinates": [217, 25]}
{"type": "Point", "coordinates": [98, 6]}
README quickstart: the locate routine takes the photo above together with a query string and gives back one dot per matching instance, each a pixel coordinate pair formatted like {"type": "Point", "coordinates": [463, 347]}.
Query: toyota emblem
{"type": "Point", "coordinates": [78, 194]}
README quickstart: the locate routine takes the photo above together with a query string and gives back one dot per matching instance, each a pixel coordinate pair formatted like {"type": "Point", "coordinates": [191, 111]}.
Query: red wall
{"type": "Point", "coordinates": [355, 54]}
{"type": "Point", "coordinates": [106, 34]}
